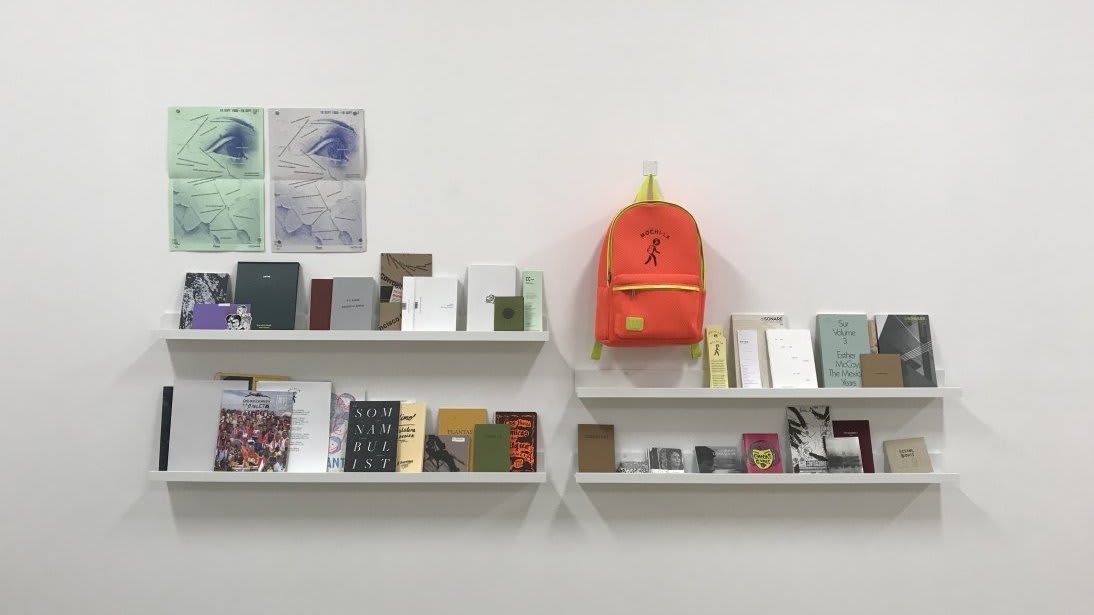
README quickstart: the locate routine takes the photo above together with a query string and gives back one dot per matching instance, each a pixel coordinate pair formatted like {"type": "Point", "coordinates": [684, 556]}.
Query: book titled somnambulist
{"type": "Point", "coordinates": [373, 436]}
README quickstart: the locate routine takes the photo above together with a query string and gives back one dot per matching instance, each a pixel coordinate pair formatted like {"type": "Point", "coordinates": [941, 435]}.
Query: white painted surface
{"type": "Point", "coordinates": [840, 155]}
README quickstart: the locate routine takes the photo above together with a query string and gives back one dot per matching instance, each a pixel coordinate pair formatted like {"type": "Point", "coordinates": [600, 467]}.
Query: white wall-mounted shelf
{"type": "Point", "coordinates": [632, 392]}
{"type": "Point", "coordinates": [405, 478]}
{"type": "Point", "coordinates": [614, 478]}
{"type": "Point", "coordinates": [212, 335]}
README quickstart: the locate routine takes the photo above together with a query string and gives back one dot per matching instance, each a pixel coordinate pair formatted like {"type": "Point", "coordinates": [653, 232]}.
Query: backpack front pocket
{"type": "Point", "coordinates": [667, 307]}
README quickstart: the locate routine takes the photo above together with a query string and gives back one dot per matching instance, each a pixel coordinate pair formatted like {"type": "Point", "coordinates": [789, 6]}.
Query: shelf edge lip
{"type": "Point", "coordinates": [347, 478]}
{"type": "Point", "coordinates": [693, 479]}
{"type": "Point", "coordinates": [305, 336]}
{"type": "Point", "coordinates": [608, 392]}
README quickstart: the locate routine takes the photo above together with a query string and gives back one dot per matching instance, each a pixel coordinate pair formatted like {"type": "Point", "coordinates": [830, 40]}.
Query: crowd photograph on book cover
{"type": "Point", "coordinates": [254, 432]}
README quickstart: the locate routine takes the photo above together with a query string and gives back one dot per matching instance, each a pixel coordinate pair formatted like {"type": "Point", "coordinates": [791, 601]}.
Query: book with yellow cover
{"type": "Point", "coordinates": [411, 437]}
{"type": "Point", "coordinates": [461, 422]}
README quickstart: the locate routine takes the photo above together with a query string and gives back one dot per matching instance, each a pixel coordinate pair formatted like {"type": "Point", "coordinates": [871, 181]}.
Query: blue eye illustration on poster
{"type": "Point", "coordinates": [317, 163]}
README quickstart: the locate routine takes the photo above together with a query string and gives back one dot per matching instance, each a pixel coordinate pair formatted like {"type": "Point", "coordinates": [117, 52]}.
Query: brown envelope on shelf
{"type": "Point", "coordinates": [391, 317]}
{"type": "Point", "coordinates": [596, 448]}
{"type": "Point", "coordinates": [881, 370]}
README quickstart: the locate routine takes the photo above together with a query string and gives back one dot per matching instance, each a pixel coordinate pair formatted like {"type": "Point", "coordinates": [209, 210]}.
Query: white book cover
{"type": "Point", "coordinates": [748, 341]}
{"type": "Point", "coordinates": [341, 398]}
{"type": "Point", "coordinates": [195, 418]}
{"type": "Point", "coordinates": [756, 322]}
{"type": "Point", "coordinates": [484, 282]}
{"type": "Point", "coordinates": [310, 422]}
{"type": "Point", "coordinates": [790, 352]}
{"type": "Point", "coordinates": [429, 304]}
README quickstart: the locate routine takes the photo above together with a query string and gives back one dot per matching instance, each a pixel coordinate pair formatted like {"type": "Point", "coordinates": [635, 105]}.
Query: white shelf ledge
{"type": "Point", "coordinates": [212, 335]}
{"type": "Point", "coordinates": [613, 478]}
{"type": "Point", "coordinates": [418, 478]}
{"type": "Point", "coordinates": [631, 392]}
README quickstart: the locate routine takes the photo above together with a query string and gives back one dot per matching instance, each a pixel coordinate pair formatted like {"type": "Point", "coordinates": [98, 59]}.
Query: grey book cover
{"type": "Point", "coordinates": [353, 304]}
{"type": "Point", "coordinates": [807, 427]}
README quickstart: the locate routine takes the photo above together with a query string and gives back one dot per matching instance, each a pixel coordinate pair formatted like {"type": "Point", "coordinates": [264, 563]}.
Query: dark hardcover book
{"type": "Point", "coordinates": [859, 429]}
{"type": "Point", "coordinates": [447, 454]}
{"type": "Point", "coordinates": [270, 289]}
{"type": "Point", "coordinates": [666, 460]}
{"type": "Point", "coordinates": [908, 335]}
{"type": "Point", "coordinates": [165, 426]}
{"type": "Point", "coordinates": [202, 288]}
{"type": "Point", "coordinates": [807, 427]}
{"type": "Point", "coordinates": [490, 452]}
{"type": "Point", "coordinates": [509, 313]}
{"type": "Point", "coordinates": [319, 315]}
{"type": "Point", "coordinates": [523, 432]}
{"type": "Point", "coordinates": [719, 459]}
{"type": "Point", "coordinates": [596, 448]}
{"type": "Point", "coordinates": [373, 440]}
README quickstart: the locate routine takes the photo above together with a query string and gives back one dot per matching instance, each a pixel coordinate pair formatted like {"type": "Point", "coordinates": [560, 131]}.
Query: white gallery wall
{"type": "Point", "coordinates": [842, 155]}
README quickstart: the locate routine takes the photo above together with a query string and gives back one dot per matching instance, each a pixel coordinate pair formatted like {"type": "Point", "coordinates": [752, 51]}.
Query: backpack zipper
{"type": "Point", "coordinates": [634, 287]}
{"type": "Point", "coordinates": [702, 260]}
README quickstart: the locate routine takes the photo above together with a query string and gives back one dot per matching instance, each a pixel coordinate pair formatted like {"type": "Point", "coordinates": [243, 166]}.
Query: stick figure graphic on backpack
{"type": "Point", "coordinates": [653, 252]}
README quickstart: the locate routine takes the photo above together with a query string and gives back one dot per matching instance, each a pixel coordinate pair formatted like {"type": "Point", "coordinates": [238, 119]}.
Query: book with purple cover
{"type": "Point", "coordinates": [234, 316]}
{"type": "Point", "coordinates": [861, 430]}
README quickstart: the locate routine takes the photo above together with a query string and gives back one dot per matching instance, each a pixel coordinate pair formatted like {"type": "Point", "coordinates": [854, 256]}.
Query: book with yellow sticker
{"type": "Point", "coordinates": [762, 455]}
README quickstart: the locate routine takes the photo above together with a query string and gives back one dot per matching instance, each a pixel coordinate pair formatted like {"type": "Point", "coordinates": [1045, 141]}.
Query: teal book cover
{"type": "Point", "coordinates": [842, 338]}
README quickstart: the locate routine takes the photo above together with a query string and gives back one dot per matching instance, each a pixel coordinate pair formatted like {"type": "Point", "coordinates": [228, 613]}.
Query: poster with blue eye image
{"type": "Point", "coordinates": [317, 164]}
{"type": "Point", "coordinates": [216, 175]}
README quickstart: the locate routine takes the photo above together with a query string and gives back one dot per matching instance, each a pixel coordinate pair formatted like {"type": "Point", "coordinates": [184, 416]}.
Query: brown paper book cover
{"type": "Point", "coordinates": [907, 455]}
{"type": "Point", "coordinates": [595, 448]}
{"type": "Point", "coordinates": [390, 317]}
{"type": "Point", "coordinates": [392, 269]}
{"type": "Point", "coordinates": [881, 370]}
{"type": "Point", "coordinates": [871, 328]}
{"type": "Point", "coordinates": [461, 422]}
{"type": "Point", "coordinates": [411, 437]}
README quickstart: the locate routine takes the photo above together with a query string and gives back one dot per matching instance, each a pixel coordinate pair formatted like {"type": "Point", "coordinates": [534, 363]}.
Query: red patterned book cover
{"type": "Point", "coordinates": [762, 454]}
{"type": "Point", "coordinates": [523, 432]}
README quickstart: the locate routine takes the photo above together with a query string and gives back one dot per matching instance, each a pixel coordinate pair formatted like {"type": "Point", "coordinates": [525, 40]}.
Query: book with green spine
{"type": "Point", "coordinates": [490, 452]}
{"type": "Point", "coordinates": [841, 338]}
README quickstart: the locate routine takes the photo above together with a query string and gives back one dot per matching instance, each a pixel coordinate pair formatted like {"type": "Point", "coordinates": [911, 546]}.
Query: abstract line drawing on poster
{"type": "Point", "coordinates": [318, 216]}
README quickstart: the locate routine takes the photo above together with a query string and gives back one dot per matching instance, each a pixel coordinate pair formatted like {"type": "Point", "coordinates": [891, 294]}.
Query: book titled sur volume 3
{"type": "Point", "coordinates": [842, 339]}
{"type": "Point", "coordinates": [270, 289]}
{"type": "Point", "coordinates": [372, 444]}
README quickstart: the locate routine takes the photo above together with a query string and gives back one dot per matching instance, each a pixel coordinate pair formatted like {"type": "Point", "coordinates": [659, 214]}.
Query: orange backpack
{"type": "Point", "coordinates": [651, 286]}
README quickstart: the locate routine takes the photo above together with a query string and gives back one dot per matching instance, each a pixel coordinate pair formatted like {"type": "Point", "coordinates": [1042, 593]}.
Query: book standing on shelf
{"type": "Point", "coordinates": [843, 454]}
{"type": "Point", "coordinates": [762, 454]}
{"type": "Point", "coordinates": [490, 452]}
{"type": "Point", "coordinates": [508, 313]}
{"type": "Point", "coordinates": [841, 340]}
{"type": "Point", "coordinates": [373, 436]}
{"type": "Point", "coordinates": [339, 427]}
{"type": "Point", "coordinates": [411, 446]}
{"type": "Point", "coordinates": [270, 288]}
{"type": "Point", "coordinates": [461, 422]}
{"type": "Point", "coordinates": [202, 288]}
{"type": "Point", "coordinates": [634, 462]}
{"type": "Point", "coordinates": [532, 293]}
{"type": "Point", "coordinates": [195, 418]}
{"type": "Point", "coordinates": [322, 293]}
{"type": "Point", "coordinates": [791, 354]}
{"type": "Point", "coordinates": [310, 434]}
{"type": "Point", "coordinates": [353, 304]}
{"type": "Point", "coordinates": [429, 304]}
{"type": "Point", "coordinates": [666, 461]}
{"type": "Point", "coordinates": [484, 284]}
{"type": "Point", "coordinates": [523, 433]}
{"type": "Point", "coordinates": [807, 427]}
{"type": "Point", "coordinates": [859, 429]}
{"type": "Point", "coordinates": [909, 335]}
{"type": "Point", "coordinates": [447, 454]}
{"type": "Point", "coordinates": [881, 370]}
{"type": "Point", "coordinates": [718, 459]}
{"type": "Point", "coordinates": [757, 369]}
{"type": "Point", "coordinates": [253, 432]}
{"type": "Point", "coordinates": [595, 448]}
{"type": "Point", "coordinates": [907, 455]}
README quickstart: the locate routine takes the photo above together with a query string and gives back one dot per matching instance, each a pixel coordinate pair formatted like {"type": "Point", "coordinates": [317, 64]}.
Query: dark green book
{"type": "Point", "coordinates": [490, 451]}
{"type": "Point", "coordinates": [271, 290]}
{"type": "Point", "coordinates": [509, 313]}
